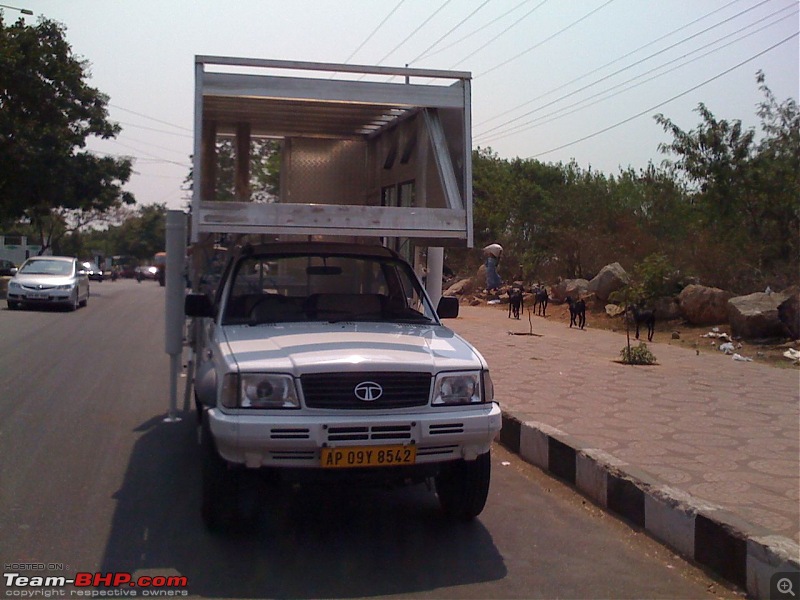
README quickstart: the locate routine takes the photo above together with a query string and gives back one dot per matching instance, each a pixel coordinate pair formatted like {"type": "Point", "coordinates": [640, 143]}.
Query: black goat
{"type": "Point", "coordinates": [577, 312]}
{"type": "Point", "coordinates": [644, 317]}
{"type": "Point", "coordinates": [516, 302]}
{"type": "Point", "coordinates": [540, 299]}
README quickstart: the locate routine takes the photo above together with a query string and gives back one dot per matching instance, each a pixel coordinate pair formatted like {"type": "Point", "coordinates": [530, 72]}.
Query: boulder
{"type": "Point", "coordinates": [667, 309]}
{"type": "Point", "coordinates": [461, 287]}
{"type": "Point", "coordinates": [610, 279]}
{"type": "Point", "coordinates": [755, 316]}
{"type": "Point", "coordinates": [613, 310]}
{"type": "Point", "coordinates": [701, 305]}
{"type": "Point", "coordinates": [577, 288]}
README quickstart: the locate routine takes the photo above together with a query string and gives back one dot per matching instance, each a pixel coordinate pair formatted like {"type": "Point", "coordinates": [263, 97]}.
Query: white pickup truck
{"type": "Point", "coordinates": [328, 359]}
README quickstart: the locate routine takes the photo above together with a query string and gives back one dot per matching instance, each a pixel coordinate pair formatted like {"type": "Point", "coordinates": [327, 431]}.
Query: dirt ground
{"type": "Point", "coordinates": [689, 336]}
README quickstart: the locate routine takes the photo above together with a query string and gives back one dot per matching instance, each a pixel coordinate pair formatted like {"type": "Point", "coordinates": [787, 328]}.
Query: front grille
{"type": "Point", "coordinates": [338, 390]}
{"type": "Point", "coordinates": [386, 433]}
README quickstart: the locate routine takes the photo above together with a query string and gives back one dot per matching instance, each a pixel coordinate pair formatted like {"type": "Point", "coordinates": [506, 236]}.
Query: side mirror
{"type": "Point", "coordinates": [198, 305]}
{"type": "Point", "coordinates": [448, 307]}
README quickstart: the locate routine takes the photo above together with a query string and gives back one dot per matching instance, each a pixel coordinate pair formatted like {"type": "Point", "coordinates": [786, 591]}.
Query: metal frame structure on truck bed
{"type": "Point", "coordinates": [349, 135]}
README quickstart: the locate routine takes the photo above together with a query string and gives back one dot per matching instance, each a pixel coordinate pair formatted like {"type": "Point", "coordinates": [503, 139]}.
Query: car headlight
{"type": "Point", "coordinates": [65, 287]}
{"type": "Point", "coordinates": [458, 388]}
{"type": "Point", "coordinates": [259, 390]}
{"type": "Point", "coordinates": [13, 285]}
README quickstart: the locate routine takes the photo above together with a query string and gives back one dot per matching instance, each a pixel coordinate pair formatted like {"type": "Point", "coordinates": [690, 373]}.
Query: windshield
{"type": "Point", "coordinates": [270, 289]}
{"type": "Point", "coordinates": [47, 267]}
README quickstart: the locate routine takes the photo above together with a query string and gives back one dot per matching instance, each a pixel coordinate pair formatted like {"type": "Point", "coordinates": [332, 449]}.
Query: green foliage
{"type": "Point", "coordinates": [47, 112]}
{"type": "Point", "coordinates": [654, 277]}
{"type": "Point", "coordinates": [723, 208]}
{"type": "Point", "coordinates": [139, 233]}
{"type": "Point", "coordinates": [743, 191]}
{"type": "Point", "coordinates": [265, 163]}
{"type": "Point", "coordinates": [640, 355]}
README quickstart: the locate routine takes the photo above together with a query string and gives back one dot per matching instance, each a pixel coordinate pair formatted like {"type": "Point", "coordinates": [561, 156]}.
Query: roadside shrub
{"type": "Point", "coordinates": [640, 355]}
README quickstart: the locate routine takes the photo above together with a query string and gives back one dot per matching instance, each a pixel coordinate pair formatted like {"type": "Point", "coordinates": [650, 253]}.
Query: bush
{"type": "Point", "coordinates": [640, 355]}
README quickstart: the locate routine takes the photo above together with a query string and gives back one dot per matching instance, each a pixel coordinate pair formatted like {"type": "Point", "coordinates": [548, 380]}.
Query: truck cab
{"type": "Point", "coordinates": [324, 357]}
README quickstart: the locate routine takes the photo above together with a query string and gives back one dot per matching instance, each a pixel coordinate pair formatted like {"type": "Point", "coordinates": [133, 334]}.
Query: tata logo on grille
{"type": "Point", "coordinates": [368, 391]}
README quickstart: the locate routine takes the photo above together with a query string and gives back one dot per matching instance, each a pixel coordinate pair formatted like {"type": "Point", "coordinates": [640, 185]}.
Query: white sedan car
{"type": "Point", "coordinates": [42, 280]}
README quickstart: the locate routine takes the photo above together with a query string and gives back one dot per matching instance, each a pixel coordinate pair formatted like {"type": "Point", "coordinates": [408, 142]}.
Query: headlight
{"type": "Point", "coordinates": [458, 388]}
{"type": "Point", "coordinates": [259, 390]}
{"type": "Point", "coordinates": [64, 287]}
{"type": "Point", "coordinates": [13, 285]}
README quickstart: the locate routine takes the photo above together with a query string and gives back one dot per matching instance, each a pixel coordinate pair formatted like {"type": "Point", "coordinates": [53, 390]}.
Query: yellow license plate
{"type": "Point", "coordinates": [367, 456]}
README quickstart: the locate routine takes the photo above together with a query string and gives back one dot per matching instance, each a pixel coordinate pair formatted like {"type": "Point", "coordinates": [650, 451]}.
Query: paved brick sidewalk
{"type": "Point", "coordinates": [723, 431]}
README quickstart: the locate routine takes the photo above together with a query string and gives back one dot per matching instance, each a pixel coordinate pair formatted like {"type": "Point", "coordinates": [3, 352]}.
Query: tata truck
{"type": "Point", "coordinates": [320, 354]}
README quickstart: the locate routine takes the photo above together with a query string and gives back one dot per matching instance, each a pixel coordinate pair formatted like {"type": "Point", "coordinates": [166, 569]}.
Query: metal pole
{"type": "Point", "coordinates": [435, 270]}
{"type": "Point", "coordinates": [175, 291]}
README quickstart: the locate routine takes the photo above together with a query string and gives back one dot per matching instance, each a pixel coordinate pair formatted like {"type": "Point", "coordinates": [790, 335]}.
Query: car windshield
{"type": "Point", "coordinates": [47, 267]}
{"type": "Point", "coordinates": [273, 289]}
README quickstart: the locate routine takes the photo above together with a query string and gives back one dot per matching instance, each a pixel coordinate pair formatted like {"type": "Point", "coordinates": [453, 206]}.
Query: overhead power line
{"type": "Point", "coordinates": [514, 24]}
{"type": "Point", "coordinates": [184, 135]}
{"type": "Point", "coordinates": [618, 71]}
{"type": "Point", "coordinates": [556, 34]}
{"type": "Point", "coordinates": [374, 31]}
{"type": "Point", "coordinates": [149, 155]}
{"type": "Point", "coordinates": [665, 102]}
{"type": "Point", "coordinates": [483, 27]}
{"type": "Point", "coordinates": [410, 35]}
{"type": "Point", "coordinates": [133, 112]}
{"type": "Point", "coordinates": [459, 24]}
{"type": "Point", "coordinates": [608, 64]}
{"type": "Point", "coordinates": [528, 125]}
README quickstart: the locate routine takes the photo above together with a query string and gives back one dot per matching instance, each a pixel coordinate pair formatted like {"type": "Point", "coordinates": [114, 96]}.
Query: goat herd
{"type": "Point", "coordinates": [577, 309]}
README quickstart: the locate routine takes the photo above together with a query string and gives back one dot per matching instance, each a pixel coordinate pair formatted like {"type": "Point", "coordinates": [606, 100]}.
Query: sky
{"type": "Point", "coordinates": [553, 80]}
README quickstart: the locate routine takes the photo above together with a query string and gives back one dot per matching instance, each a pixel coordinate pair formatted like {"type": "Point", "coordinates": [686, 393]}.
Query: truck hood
{"type": "Point", "coordinates": [318, 347]}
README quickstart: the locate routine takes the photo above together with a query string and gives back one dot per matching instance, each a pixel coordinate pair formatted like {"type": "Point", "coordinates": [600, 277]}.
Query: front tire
{"type": "Point", "coordinates": [12, 305]}
{"type": "Point", "coordinates": [73, 302]}
{"type": "Point", "coordinates": [220, 487]}
{"type": "Point", "coordinates": [463, 487]}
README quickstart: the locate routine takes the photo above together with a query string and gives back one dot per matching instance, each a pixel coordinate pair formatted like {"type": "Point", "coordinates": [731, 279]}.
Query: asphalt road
{"type": "Point", "coordinates": [93, 480]}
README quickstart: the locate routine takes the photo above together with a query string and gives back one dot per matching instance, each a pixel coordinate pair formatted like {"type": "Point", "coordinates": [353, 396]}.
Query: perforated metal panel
{"type": "Point", "coordinates": [323, 171]}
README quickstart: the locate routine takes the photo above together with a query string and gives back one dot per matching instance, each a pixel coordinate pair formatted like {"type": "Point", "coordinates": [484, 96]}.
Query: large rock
{"type": "Point", "coordinates": [461, 287]}
{"type": "Point", "coordinates": [610, 279]}
{"type": "Point", "coordinates": [789, 313]}
{"type": "Point", "coordinates": [701, 305]}
{"type": "Point", "coordinates": [576, 288]}
{"type": "Point", "coordinates": [755, 316]}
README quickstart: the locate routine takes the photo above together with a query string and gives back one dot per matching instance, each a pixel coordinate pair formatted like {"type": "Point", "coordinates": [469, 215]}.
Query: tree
{"type": "Point", "coordinates": [143, 233]}
{"type": "Point", "coordinates": [265, 163]}
{"type": "Point", "coordinates": [47, 112]}
{"type": "Point", "coordinates": [744, 193]}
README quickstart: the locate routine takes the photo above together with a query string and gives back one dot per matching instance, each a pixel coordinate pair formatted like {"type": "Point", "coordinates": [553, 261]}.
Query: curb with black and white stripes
{"type": "Point", "coordinates": [744, 554]}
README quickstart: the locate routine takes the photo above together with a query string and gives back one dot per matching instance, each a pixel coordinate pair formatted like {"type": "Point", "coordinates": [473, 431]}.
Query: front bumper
{"type": "Point", "coordinates": [296, 441]}
{"type": "Point", "coordinates": [43, 297]}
